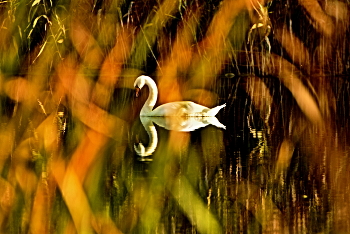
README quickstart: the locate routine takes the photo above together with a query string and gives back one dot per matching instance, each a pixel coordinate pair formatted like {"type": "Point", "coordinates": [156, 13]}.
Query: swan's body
{"type": "Point", "coordinates": [182, 108]}
{"type": "Point", "coordinates": [185, 124]}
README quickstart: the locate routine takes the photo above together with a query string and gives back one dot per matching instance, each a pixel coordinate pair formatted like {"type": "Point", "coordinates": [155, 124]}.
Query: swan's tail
{"type": "Point", "coordinates": [215, 110]}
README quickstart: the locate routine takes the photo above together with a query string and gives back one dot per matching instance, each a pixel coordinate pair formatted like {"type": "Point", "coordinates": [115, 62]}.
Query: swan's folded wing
{"type": "Point", "coordinates": [184, 108]}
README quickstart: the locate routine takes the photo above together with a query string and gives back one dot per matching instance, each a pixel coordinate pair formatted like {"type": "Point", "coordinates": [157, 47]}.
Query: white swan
{"type": "Point", "coordinates": [182, 108]}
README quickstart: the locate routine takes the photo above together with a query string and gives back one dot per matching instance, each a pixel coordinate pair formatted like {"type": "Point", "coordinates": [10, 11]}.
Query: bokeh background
{"type": "Point", "coordinates": [69, 118]}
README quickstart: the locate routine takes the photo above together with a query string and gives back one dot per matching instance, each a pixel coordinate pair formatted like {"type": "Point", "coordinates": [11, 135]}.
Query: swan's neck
{"type": "Point", "coordinates": [152, 97]}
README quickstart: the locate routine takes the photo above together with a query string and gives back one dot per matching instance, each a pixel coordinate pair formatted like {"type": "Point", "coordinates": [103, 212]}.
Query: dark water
{"type": "Point", "coordinates": [233, 180]}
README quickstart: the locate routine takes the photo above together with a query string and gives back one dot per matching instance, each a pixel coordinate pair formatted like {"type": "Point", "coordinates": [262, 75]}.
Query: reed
{"type": "Point", "coordinates": [69, 118]}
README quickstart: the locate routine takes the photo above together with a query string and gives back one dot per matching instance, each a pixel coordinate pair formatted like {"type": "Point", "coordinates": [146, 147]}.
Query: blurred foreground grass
{"type": "Point", "coordinates": [69, 118]}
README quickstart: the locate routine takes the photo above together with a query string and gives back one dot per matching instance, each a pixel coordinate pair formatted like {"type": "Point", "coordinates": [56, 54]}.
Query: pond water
{"type": "Point", "coordinates": [247, 170]}
{"type": "Point", "coordinates": [246, 178]}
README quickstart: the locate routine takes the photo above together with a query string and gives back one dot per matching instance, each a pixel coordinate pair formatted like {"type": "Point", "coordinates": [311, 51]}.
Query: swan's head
{"type": "Point", "coordinates": [139, 83]}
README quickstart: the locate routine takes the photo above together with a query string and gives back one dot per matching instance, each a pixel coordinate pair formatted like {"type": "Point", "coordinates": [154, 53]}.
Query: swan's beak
{"type": "Point", "coordinates": [137, 91]}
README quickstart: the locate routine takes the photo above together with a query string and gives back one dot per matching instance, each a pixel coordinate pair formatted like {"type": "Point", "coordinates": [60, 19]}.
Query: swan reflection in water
{"type": "Point", "coordinates": [174, 123]}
